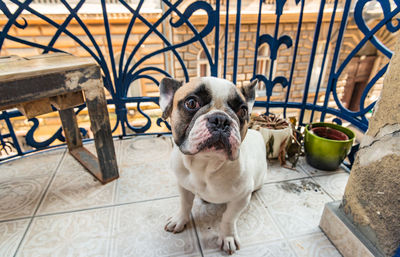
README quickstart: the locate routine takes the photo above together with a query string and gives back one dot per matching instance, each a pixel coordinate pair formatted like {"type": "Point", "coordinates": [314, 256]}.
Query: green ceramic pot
{"type": "Point", "coordinates": [323, 153]}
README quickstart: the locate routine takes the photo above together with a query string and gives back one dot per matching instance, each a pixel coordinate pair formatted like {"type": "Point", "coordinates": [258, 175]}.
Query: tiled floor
{"type": "Point", "coordinates": [50, 206]}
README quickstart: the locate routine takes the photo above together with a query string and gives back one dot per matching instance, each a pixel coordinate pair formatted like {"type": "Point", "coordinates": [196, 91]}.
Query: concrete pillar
{"type": "Point", "coordinates": [372, 195]}
{"type": "Point", "coordinates": [371, 200]}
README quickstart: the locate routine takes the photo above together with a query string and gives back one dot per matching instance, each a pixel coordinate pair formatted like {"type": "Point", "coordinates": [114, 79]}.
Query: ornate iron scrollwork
{"type": "Point", "coordinates": [119, 75]}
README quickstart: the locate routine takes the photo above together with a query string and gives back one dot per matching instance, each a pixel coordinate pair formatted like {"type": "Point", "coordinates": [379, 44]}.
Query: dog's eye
{"type": "Point", "coordinates": [243, 111]}
{"type": "Point", "coordinates": [192, 104]}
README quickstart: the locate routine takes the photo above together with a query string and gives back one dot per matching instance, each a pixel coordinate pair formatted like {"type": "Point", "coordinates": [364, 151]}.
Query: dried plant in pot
{"type": "Point", "coordinates": [277, 133]}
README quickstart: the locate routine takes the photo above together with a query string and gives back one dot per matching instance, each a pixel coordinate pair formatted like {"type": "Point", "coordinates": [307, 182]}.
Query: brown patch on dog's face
{"type": "Point", "coordinates": [238, 105]}
{"type": "Point", "coordinates": [181, 117]}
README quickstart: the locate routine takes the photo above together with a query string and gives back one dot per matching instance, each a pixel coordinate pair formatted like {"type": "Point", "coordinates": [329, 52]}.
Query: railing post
{"type": "Point", "coordinates": [332, 75]}
{"type": "Point", "coordinates": [237, 41]}
{"type": "Point", "coordinates": [168, 58]}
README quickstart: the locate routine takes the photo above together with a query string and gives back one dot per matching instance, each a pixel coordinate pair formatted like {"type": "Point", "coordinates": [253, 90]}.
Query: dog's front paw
{"type": "Point", "coordinates": [176, 224]}
{"type": "Point", "coordinates": [229, 244]}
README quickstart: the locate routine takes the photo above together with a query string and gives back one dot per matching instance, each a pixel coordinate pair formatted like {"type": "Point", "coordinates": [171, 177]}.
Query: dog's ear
{"type": "Point", "coordinates": [249, 92]}
{"type": "Point", "coordinates": [168, 87]}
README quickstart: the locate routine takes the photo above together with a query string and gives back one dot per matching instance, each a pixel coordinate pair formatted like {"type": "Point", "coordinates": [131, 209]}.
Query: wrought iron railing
{"type": "Point", "coordinates": [321, 63]}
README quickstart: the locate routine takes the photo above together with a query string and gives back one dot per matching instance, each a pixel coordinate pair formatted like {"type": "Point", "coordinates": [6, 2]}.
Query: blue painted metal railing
{"type": "Point", "coordinates": [119, 75]}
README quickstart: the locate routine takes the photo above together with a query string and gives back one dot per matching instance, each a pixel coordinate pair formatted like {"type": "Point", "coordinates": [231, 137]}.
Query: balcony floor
{"type": "Point", "coordinates": [50, 206]}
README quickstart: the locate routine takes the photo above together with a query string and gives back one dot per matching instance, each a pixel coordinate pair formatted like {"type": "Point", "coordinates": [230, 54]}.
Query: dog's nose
{"type": "Point", "coordinates": [219, 122]}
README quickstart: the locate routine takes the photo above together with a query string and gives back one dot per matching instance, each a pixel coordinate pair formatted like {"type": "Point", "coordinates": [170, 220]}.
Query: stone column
{"type": "Point", "coordinates": [372, 196]}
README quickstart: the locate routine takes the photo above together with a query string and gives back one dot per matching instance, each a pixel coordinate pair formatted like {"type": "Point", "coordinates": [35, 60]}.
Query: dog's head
{"type": "Point", "coordinates": [207, 115]}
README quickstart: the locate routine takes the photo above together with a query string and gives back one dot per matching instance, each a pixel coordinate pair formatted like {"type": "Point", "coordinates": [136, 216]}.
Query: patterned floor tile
{"type": "Point", "coordinates": [139, 231]}
{"type": "Point", "coordinates": [314, 245]}
{"type": "Point", "coordinates": [145, 171]}
{"type": "Point", "coordinates": [145, 149]}
{"type": "Point", "coordinates": [20, 197]}
{"type": "Point", "coordinates": [296, 206]}
{"type": "Point", "coordinates": [146, 182]}
{"type": "Point", "coordinates": [255, 225]}
{"type": "Point", "coordinates": [83, 234]}
{"type": "Point", "coordinates": [316, 172]}
{"type": "Point", "coordinates": [292, 208]}
{"type": "Point", "coordinates": [39, 164]}
{"type": "Point", "coordinates": [272, 249]}
{"type": "Point", "coordinates": [74, 188]}
{"type": "Point", "coordinates": [278, 173]}
{"type": "Point", "coordinates": [23, 182]}
{"type": "Point", "coordinates": [334, 184]}
{"type": "Point", "coordinates": [10, 235]}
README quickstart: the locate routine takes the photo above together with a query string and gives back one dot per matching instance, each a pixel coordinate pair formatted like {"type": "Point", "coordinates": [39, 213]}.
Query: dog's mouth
{"type": "Point", "coordinates": [216, 142]}
{"type": "Point", "coordinates": [213, 138]}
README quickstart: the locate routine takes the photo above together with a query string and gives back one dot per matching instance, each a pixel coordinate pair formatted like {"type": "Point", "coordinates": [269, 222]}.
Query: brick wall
{"type": "Point", "coordinates": [41, 32]}
{"type": "Point", "coordinates": [246, 52]}
{"type": "Point", "coordinates": [283, 62]}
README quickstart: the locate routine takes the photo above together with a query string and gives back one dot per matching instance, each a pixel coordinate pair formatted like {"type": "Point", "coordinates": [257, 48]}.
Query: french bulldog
{"type": "Point", "coordinates": [215, 155]}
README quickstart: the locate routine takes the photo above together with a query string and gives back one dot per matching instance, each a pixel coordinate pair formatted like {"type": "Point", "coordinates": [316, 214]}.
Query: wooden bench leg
{"type": "Point", "coordinates": [98, 167]}
{"type": "Point", "coordinates": [100, 126]}
{"type": "Point", "coordinates": [71, 129]}
{"type": "Point", "coordinates": [75, 147]}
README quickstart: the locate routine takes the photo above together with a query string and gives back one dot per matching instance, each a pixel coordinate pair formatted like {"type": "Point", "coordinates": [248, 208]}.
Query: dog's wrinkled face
{"type": "Point", "coordinates": [208, 115]}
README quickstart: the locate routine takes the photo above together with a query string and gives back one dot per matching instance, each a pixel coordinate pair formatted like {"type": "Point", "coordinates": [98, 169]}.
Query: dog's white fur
{"type": "Point", "coordinates": [216, 179]}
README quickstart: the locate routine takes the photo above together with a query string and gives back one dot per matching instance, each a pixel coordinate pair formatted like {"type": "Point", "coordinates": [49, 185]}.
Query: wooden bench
{"type": "Point", "coordinates": [35, 84]}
